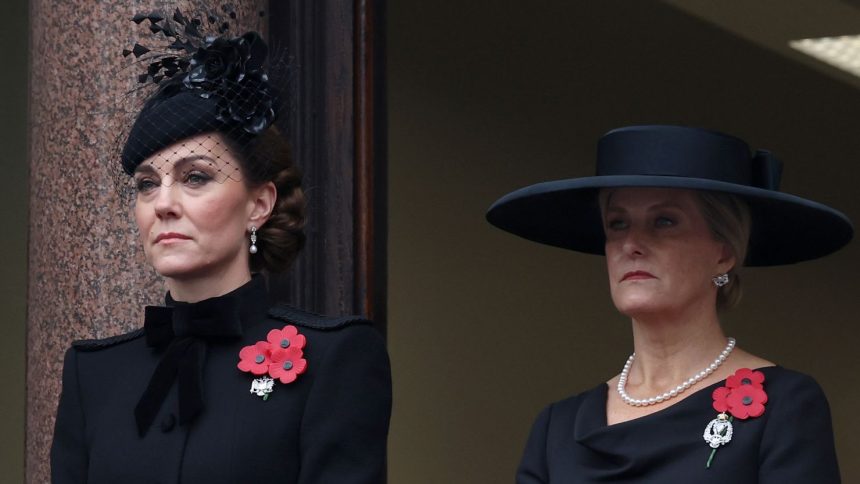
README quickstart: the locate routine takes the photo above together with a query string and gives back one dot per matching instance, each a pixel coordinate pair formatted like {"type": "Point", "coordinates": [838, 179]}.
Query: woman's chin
{"type": "Point", "coordinates": [636, 307]}
{"type": "Point", "coordinates": [176, 269]}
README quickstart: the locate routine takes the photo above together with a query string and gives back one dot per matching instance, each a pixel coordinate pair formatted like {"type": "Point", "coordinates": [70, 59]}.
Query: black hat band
{"type": "Point", "coordinates": [709, 157]}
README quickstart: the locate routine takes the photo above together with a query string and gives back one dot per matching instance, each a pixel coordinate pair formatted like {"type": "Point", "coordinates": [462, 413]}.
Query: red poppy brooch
{"type": "Point", "coordinates": [280, 357]}
{"type": "Point", "coordinates": [742, 397]}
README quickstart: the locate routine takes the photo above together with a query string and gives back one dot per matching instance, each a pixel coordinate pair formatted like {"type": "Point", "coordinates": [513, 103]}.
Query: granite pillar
{"type": "Point", "coordinates": [87, 275]}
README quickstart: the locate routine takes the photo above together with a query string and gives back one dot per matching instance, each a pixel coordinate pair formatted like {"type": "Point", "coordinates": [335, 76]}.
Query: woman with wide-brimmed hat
{"type": "Point", "coordinates": [677, 211]}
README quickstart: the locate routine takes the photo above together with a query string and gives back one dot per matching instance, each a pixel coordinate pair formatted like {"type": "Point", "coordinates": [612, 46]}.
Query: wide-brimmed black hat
{"type": "Point", "coordinates": [565, 213]}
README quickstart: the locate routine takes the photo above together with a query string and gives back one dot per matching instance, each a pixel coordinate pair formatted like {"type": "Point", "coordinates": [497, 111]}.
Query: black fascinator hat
{"type": "Point", "coordinates": [205, 81]}
{"type": "Point", "coordinates": [565, 213]}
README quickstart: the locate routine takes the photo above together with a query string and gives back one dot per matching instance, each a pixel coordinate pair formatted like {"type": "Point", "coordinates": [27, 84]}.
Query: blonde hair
{"type": "Point", "coordinates": [729, 219]}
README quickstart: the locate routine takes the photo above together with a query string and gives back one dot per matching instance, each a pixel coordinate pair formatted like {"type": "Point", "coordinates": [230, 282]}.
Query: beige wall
{"type": "Point", "coordinates": [13, 242]}
{"type": "Point", "coordinates": [485, 329]}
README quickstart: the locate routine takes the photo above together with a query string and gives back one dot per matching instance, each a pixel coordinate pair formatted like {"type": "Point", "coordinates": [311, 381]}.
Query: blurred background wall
{"type": "Point", "coordinates": [485, 329]}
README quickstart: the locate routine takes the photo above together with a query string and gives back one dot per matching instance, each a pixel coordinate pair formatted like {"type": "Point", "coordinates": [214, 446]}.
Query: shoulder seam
{"type": "Point", "coordinates": [312, 320]}
{"type": "Point", "coordinates": [97, 344]}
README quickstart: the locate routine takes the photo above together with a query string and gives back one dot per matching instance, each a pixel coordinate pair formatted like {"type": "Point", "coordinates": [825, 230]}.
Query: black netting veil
{"type": "Point", "coordinates": [208, 101]}
{"type": "Point", "coordinates": [200, 106]}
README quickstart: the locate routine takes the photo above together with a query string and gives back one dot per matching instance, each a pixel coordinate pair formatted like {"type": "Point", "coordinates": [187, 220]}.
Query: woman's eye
{"type": "Point", "coordinates": [664, 222]}
{"type": "Point", "coordinates": [616, 224]}
{"type": "Point", "coordinates": [196, 178]}
{"type": "Point", "coordinates": [144, 185]}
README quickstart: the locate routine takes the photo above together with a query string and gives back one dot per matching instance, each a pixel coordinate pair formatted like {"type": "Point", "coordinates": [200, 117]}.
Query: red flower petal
{"type": "Point", "coordinates": [279, 355]}
{"type": "Point", "coordinates": [740, 413]}
{"type": "Point", "coordinates": [745, 401]}
{"type": "Point", "coordinates": [255, 358]}
{"type": "Point", "coordinates": [287, 377]}
{"type": "Point", "coordinates": [300, 366]}
{"type": "Point", "coordinates": [300, 341]}
{"type": "Point", "coordinates": [745, 376]}
{"type": "Point", "coordinates": [759, 395]}
{"type": "Point", "coordinates": [247, 352]}
{"type": "Point", "coordinates": [756, 409]}
{"type": "Point", "coordinates": [279, 369]}
{"type": "Point", "coordinates": [719, 395]}
{"type": "Point", "coordinates": [286, 337]}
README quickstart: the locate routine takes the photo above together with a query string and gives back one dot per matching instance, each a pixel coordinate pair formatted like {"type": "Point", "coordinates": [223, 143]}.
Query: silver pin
{"type": "Point", "coordinates": [262, 387]}
{"type": "Point", "coordinates": [719, 431]}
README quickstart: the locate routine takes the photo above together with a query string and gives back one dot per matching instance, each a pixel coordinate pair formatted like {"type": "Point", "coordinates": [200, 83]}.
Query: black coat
{"type": "Point", "coordinates": [328, 426]}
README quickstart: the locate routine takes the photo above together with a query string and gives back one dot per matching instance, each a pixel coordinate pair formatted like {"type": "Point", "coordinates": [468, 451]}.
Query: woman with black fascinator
{"type": "Point", "coordinates": [677, 212]}
{"type": "Point", "coordinates": [219, 385]}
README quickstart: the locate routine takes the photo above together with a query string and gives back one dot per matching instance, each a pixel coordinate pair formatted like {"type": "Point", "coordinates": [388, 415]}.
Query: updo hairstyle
{"type": "Point", "coordinates": [263, 158]}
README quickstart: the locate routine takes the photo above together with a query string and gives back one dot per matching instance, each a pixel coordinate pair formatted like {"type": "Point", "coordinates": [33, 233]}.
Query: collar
{"type": "Point", "coordinates": [220, 317]}
{"type": "Point", "coordinates": [186, 329]}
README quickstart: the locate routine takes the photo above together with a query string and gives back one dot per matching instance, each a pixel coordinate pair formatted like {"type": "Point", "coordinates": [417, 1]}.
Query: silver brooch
{"type": "Point", "coordinates": [262, 387]}
{"type": "Point", "coordinates": [719, 431]}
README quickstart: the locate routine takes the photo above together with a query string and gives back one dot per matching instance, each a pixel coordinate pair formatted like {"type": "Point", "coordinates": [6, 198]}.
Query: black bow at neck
{"type": "Point", "coordinates": [185, 329]}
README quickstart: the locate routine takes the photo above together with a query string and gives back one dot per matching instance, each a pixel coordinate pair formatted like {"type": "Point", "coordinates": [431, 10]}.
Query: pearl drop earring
{"type": "Point", "coordinates": [253, 248]}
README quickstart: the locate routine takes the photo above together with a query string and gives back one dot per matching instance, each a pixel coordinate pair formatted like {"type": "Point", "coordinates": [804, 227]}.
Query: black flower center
{"type": "Point", "coordinates": [746, 381]}
{"type": "Point", "coordinates": [288, 365]}
{"type": "Point", "coordinates": [747, 400]}
{"type": "Point", "coordinates": [285, 343]}
{"type": "Point", "coordinates": [259, 359]}
{"type": "Point", "coordinates": [214, 65]}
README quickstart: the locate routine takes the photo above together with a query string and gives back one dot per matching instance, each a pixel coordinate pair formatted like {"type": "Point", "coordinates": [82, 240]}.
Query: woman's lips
{"type": "Point", "coordinates": [170, 237]}
{"type": "Point", "coordinates": [634, 275]}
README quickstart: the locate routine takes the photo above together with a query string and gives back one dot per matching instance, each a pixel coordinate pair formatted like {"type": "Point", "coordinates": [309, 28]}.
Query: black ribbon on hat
{"type": "Point", "coordinates": [766, 170]}
{"type": "Point", "coordinates": [684, 152]}
{"type": "Point", "coordinates": [185, 330]}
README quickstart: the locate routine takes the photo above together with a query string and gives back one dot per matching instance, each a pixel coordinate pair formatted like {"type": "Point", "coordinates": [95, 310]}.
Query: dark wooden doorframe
{"type": "Point", "coordinates": [337, 126]}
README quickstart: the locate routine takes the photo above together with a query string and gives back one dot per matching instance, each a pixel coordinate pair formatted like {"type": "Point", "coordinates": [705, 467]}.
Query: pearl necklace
{"type": "Point", "coordinates": [644, 402]}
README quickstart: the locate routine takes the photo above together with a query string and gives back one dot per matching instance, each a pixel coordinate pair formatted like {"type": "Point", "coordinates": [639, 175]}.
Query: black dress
{"type": "Point", "coordinates": [328, 426]}
{"type": "Point", "coordinates": [791, 443]}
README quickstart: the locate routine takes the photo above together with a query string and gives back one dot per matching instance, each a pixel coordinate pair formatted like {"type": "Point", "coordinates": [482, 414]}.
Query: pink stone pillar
{"type": "Point", "coordinates": [87, 276]}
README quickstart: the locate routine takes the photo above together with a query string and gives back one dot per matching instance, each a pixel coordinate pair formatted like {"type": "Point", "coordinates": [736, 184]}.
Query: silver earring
{"type": "Point", "coordinates": [721, 280]}
{"type": "Point", "coordinates": [253, 248]}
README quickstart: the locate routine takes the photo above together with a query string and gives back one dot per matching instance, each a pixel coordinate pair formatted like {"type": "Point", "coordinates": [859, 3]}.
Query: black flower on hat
{"type": "Point", "coordinates": [226, 69]}
{"type": "Point", "coordinates": [223, 60]}
{"type": "Point", "coordinates": [231, 70]}
{"type": "Point", "coordinates": [250, 104]}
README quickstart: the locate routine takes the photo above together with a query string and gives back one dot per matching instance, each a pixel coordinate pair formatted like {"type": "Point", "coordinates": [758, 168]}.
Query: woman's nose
{"type": "Point", "coordinates": [635, 241]}
{"type": "Point", "coordinates": [166, 203]}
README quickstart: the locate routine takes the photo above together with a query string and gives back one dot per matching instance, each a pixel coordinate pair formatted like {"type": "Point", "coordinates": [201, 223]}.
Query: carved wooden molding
{"type": "Point", "coordinates": [336, 125]}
